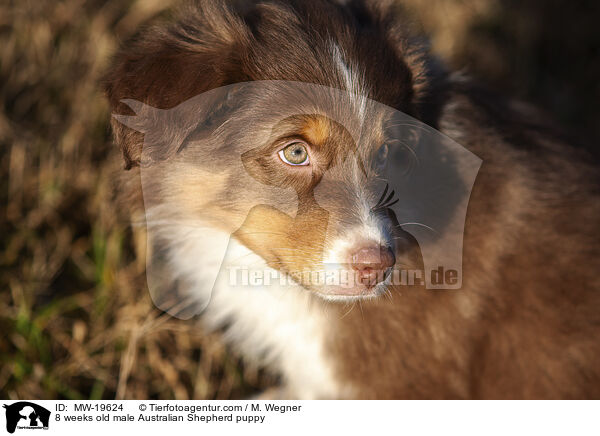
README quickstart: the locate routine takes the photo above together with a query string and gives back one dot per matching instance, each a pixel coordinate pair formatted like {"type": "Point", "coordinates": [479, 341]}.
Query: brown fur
{"type": "Point", "coordinates": [526, 322]}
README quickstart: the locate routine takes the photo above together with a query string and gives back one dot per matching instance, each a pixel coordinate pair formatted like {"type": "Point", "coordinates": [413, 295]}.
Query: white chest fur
{"type": "Point", "coordinates": [278, 326]}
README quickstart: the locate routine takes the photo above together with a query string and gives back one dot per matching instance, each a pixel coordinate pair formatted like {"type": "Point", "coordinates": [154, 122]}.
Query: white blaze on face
{"type": "Point", "coordinates": [353, 80]}
{"type": "Point", "coordinates": [368, 230]}
{"type": "Point", "coordinates": [371, 231]}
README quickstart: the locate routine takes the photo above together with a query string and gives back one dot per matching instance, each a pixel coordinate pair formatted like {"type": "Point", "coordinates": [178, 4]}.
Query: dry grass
{"type": "Point", "coordinates": [75, 315]}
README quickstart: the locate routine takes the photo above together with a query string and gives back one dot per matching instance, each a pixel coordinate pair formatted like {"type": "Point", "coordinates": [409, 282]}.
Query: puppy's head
{"type": "Point", "coordinates": [285, 146]}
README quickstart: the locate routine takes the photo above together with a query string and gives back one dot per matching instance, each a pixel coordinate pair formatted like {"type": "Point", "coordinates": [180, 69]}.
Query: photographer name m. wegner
{"type": "Point", "coordinates": [245, 276]}
{"type": "Point", "coordinates": [248, 412]}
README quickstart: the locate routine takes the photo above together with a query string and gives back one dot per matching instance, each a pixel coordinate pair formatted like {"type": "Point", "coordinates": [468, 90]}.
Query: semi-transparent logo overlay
{"type": "Point", "coordinates": [226, 209]}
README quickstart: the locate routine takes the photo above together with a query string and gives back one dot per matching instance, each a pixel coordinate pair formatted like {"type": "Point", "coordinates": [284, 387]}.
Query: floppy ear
{"type": "Point", "coordinates": [170, 63]}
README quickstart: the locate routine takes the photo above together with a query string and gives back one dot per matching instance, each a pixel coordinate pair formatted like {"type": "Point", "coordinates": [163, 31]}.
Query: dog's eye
{"type": "Point", "coordinates": [382, 155]}
{"type": "Point", "coordinates": [294, 154]}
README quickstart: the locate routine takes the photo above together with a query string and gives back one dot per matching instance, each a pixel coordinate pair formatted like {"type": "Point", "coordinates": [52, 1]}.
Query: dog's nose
{"type": "Point", "coordinates": [371, 262]}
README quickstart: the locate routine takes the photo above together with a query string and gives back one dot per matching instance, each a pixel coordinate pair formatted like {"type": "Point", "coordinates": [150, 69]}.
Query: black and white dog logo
{"type": "Point", "coordinates": [26, 415]}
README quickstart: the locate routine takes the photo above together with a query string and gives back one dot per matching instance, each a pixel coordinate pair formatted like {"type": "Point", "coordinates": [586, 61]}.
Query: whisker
{"type": "Point", "coordinates": [418, 224]}
{"type": "Point", "coordinates": [382, 195]}
{"type": "Point", "coordinates": [349, 310]}
{"type": "Point", "coordinates": [386, 200]}
{"type": "Point", "coordinates": [393, 202]}
{"type": "Point", "coordinates": [390, 197]}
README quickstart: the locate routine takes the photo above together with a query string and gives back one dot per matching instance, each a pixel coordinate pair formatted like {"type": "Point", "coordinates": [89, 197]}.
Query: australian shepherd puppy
{"type": "Point", "coordinates": [256, 134]}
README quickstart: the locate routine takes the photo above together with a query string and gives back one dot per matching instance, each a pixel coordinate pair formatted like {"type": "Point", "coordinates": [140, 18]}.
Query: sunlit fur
{"type": "Point", "coordinates": [526, 321]}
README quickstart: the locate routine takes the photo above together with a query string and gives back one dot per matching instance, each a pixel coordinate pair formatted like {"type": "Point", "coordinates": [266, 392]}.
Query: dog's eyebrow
{"type": "Point", "coordinates": [316, 129]}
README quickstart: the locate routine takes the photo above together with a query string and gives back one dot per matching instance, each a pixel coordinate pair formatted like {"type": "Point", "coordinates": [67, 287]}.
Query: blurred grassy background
{"type": "Point", "coordinates": [76, 320]}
